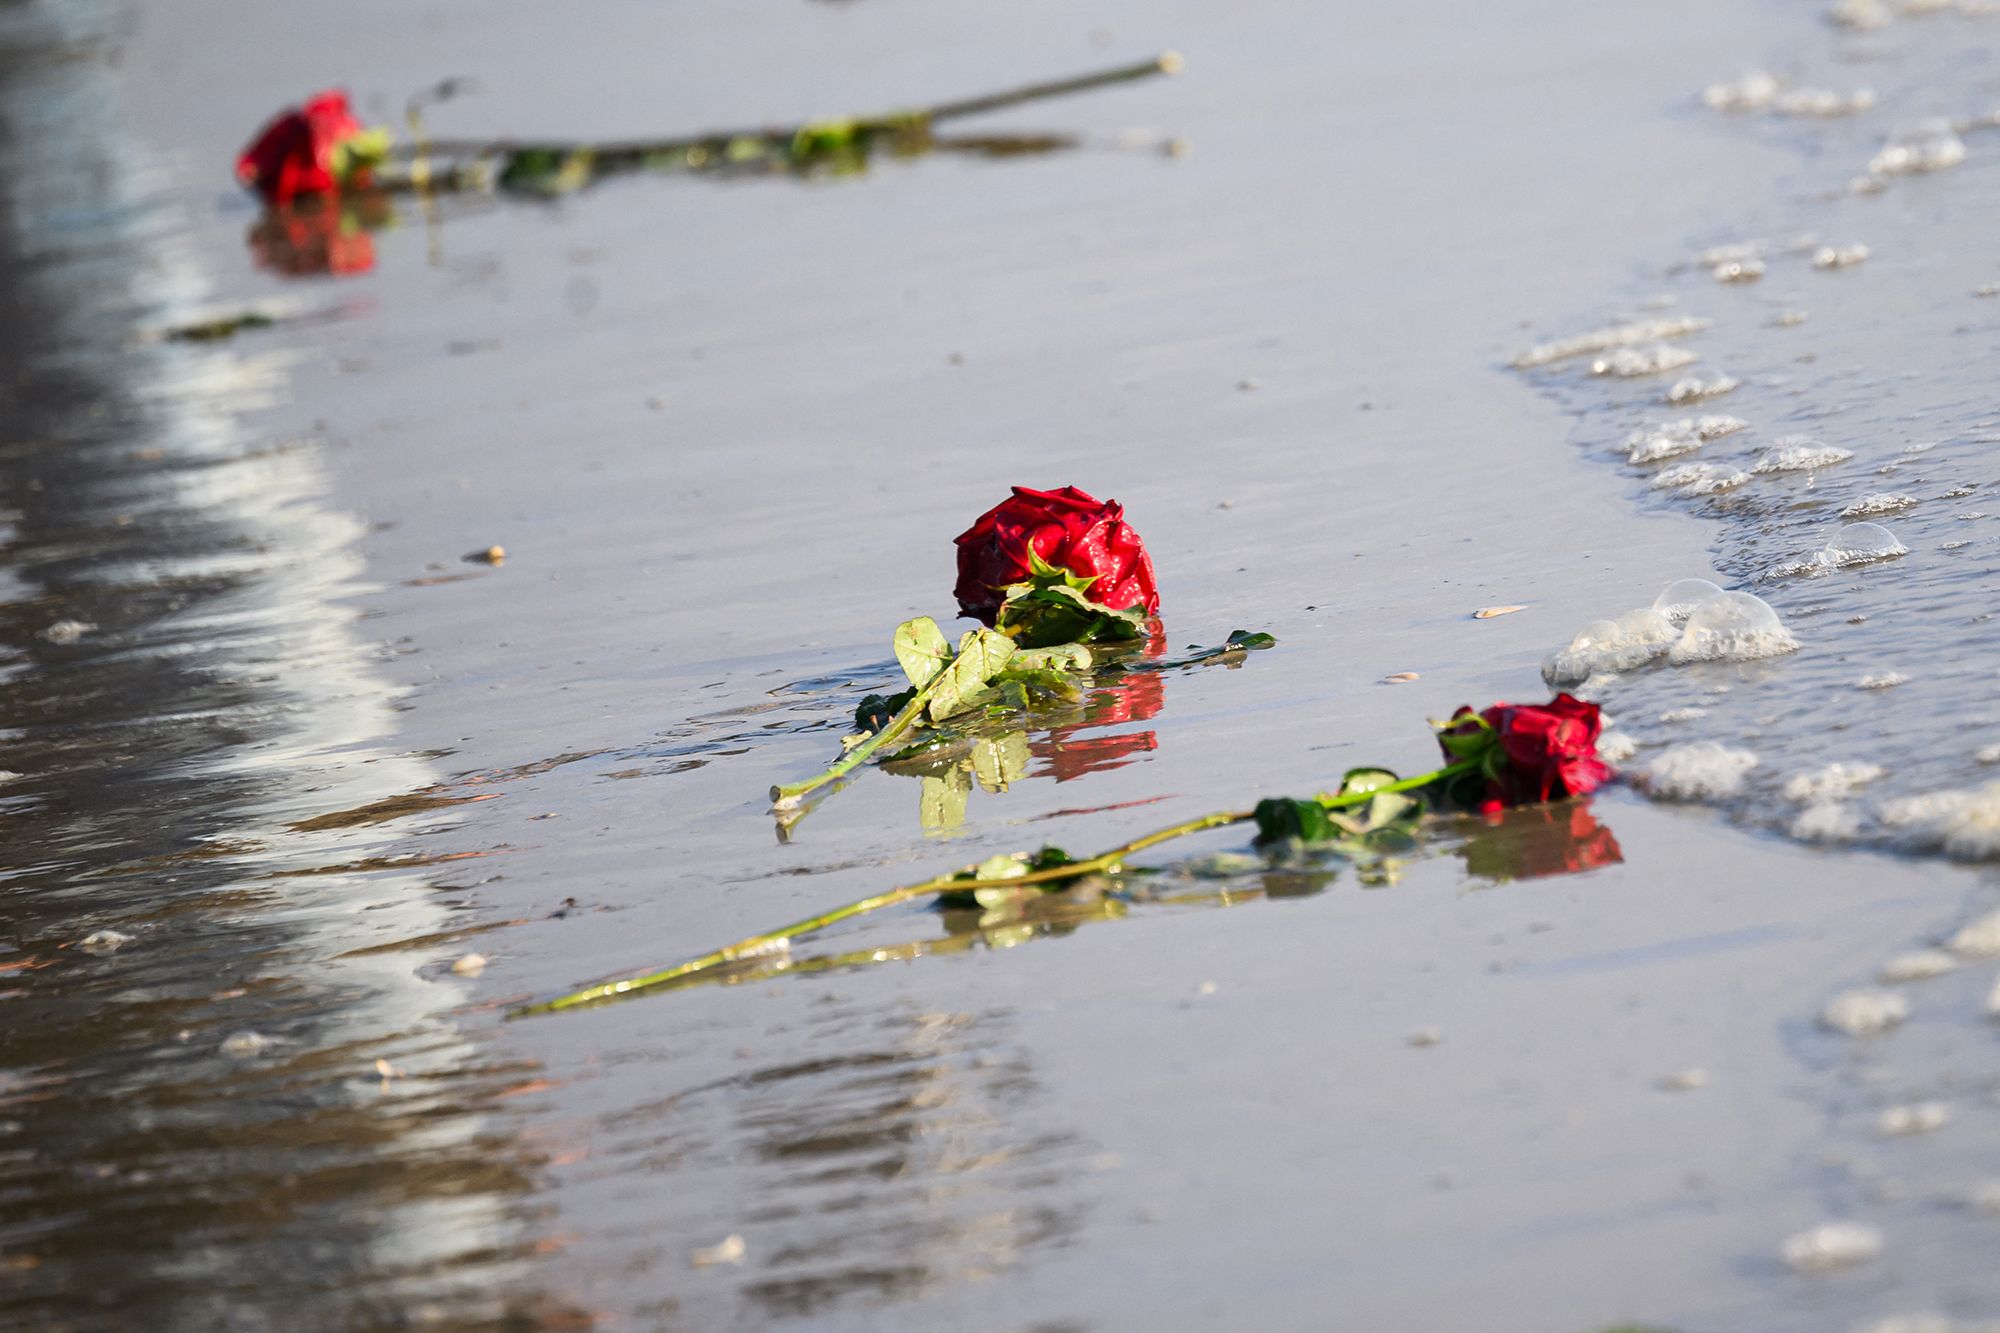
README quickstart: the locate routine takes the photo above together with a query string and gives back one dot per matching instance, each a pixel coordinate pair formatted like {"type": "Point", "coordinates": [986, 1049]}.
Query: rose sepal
{"type": "Point", "coordinates": [1052, 607]}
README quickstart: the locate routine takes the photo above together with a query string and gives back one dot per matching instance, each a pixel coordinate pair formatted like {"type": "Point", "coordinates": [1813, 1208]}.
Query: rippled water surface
{"type": "Point", "coordinates": [299, 803]}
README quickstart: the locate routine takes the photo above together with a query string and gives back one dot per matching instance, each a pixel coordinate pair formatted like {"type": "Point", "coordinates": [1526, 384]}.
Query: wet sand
{"type": "Point", "coordinates": [725, 432]}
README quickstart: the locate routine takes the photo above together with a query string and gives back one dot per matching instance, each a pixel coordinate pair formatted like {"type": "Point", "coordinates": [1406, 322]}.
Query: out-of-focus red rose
{"type": "Point", "coordinates": [1068, 753]}
{"type": "Point", "coordinates": [1534, 843]}
{"type": "Point", "coordinates": [295, 154]}
{"type": "Point", "coordinates": [316, 237]}
{"type": "Point", "coordinates": [1068, 530]}
{"type": "Point", "coordinates": [1531, 752]}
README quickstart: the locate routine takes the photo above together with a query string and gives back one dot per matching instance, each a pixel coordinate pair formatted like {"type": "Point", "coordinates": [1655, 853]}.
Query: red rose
{"type": "Point", "coordinates": [1066, 529]}
{"type": "Point", "coordinates": [1531, 752]}
{"type": "Point", "coordinates": [294, 154]}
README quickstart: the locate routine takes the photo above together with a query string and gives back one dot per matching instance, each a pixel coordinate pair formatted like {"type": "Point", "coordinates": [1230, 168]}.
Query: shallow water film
{"type": "Point", "coordinates": [408, 607]}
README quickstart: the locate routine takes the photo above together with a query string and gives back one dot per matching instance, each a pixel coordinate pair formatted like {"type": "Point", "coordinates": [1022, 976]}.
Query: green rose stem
{"type": "Point", "coordinates": [787, 797]}
{"type": "Point", "coordinates": [1104, 863]}
{"type": "Point", "coordinates": [718, 146]}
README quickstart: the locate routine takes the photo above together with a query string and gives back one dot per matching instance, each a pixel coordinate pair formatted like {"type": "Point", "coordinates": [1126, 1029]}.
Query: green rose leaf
{"type": "Point", "coordinates": [1035, 685]}
{"type": "Point", "coordinates": [1057, 657]}
{"type": "Point", "coordinates": [996, 763]}
{"type": "Point", "coordinates": [1362, 780]}
{"type": "Point", "coordinates": [981, 655]}
{"type": "Point", "coordinates": [922, 650]}
{"type": "Point", "coordinates": [1280, 817]}
{"type": "Point", "coordinates": [1390, 810]}
{"type": "Point", "coordinates": [942, 805]}
{"type": "Point", "coordinates": [873, 712]}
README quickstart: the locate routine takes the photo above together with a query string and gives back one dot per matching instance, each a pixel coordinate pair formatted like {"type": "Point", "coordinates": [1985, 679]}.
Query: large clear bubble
{"type": "Point", "coordinates": [1679, 598]}
{"type": "Point", "coordinates": [1732, 627]}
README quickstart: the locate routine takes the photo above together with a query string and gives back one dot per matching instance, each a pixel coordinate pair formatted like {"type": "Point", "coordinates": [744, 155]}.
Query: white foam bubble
{"type": "Point", "coordinates": [1697, 771]}
{"type": "Point", "coordinates": [1825, 821]}
{"type": "Point", "coordinates": [1738, 270]}
{"type": "Point", "coordinates": [1679, 598]}
{"type": "Point", "coordinates": [1917, 965]}
{"type": "Point", "coordinates": [1615, 747]}
{"type": "Point", "coordinates": [1617, 335]}
{"type": "Point", "coordinates": [1732, 627]}
{"type": "Point", "coordinates": [1651, 359]}
{"type": "Point", "coordinates": [1865, 1012]}
{"type": "Point", "coordinates": [1915, 1118]}
{"type": "Point", "coordinates": [1692, 479]}
{"type": "Point", "coordinates": [1754, 91]}
{"type": "Point", "coordinates": [1830, 781]}
{"type": "Point", "coordinates": [1825, 102]}
{"type": "Point", "coordinates": [1694, 388]}
{"type": "Point", "coordinates": [1860, 543]}
{"type": "Point", "coordinates": [1796, 453]}
{"type": "Point", "coordinates": [1963, 824]}
{"type": "Point", "coordinates": [1977, 938]}
{"type": "Point", "coordinates": [1832, 1245]}
{"type": "Point", "coordinates": [1862, 14]}
{"type": "Point", "coordinates": [1610, 646]}
{"type": "Point", "coordinates": [1882, 502]}
{"type": "Point", "coordinates": [1654, 443]}
{"type": "Point", "coordinates": [1929, 145]}
{"type": "Point", "coordinates": [1839, 256]}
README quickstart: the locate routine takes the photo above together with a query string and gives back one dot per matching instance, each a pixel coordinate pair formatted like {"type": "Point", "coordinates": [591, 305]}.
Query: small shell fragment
{"type": "Point", "coordinates": [730, 1250]}
{"type": "Point", "coordinates": [1400, 678]}
{"type": "Point", "coordinates": [1489, 612]}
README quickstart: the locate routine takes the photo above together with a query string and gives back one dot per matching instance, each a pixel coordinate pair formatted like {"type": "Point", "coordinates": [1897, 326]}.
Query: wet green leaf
{"type": "Point", "coordinates": [921, 649]}
{"type": "Point", "coordinates": [1034, 685]}
{"type": "Point", "coordinates": [1390, 810]}
{"type": "Point", "coordinates": [873, 712]}
{"type": "Point", "coordinates": [1280, 817]}
{"type": "Point", "coordinates": [215, 330]}
{"type": "Point", "coordinates": [981, 655]}
{"type": "Point", "coordinates": [941, 807]}
{"type": "Point", "coordinates": [1057, 657]}
{"type": "Point", "coordinates": [1052, 609]}
{"type": "Point", "coordinates": [996, 763]}
{"type": "Point", "coordinates": [1360, 780]}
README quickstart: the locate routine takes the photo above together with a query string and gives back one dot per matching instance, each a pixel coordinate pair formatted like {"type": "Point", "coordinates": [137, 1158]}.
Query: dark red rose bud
{"type": "Point", "coordinates": [295, 154]}
{"type": "Point", "coordinates": [1066, 529]}
{"type": "Point", "coordinates": [1531, 752]}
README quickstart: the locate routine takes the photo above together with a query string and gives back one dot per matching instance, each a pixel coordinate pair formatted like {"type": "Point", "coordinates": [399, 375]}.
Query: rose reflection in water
{"type": "Point", "coordinates": [320, 237]}
{"type": "Point", "coordinates": [1066, 753]}
{"type": "Point", "coordinates": [1534, 842]}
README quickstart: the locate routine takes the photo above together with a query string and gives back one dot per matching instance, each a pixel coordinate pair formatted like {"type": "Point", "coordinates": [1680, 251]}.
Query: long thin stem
{"type": "Point", "coordinates": [717, 141]}
{"type": "Point", "coordinates": [1102, 863]}
{"type": "Point", "coordinates": [1167, 62]}
{"type": "Point", "coordinates": [788, 796]}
